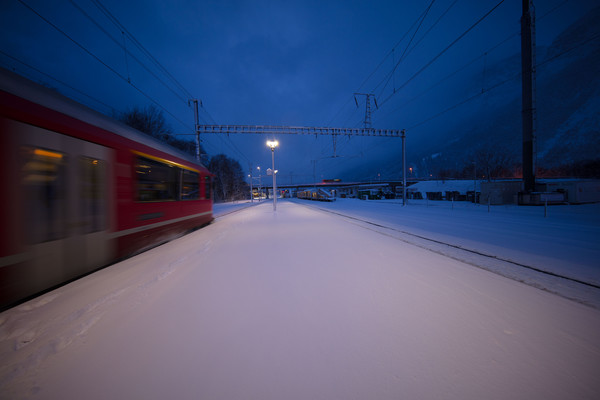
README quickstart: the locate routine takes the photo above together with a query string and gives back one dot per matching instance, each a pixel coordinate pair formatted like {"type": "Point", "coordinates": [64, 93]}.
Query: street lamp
{"type": "Point", "coordinates": [259, 185]}
{"type": "Point", "coordinates": [272, 144]}
{"type": "Point", "coordinates": [251, 189]}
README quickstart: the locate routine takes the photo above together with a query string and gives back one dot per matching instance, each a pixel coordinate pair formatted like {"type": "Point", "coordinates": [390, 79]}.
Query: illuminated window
{"type": "Point", "coordinates": [207, 187]}
{"type": "Point", "coordinates": [190, 185]}
{"type": "Point", "coordinates": [156, 181]}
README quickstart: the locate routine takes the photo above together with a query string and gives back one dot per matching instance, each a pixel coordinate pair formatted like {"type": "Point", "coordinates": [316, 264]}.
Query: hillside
{"type": "Point", "coordinates": [568, 104]}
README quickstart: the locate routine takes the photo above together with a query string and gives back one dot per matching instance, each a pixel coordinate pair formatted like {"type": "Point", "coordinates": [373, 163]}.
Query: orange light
{"type": "Point", "coordinates": [46, 153]}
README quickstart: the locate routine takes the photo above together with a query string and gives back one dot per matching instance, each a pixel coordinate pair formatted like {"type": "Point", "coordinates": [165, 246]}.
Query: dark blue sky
{"type": "Point", "coordinates": [275, 63]}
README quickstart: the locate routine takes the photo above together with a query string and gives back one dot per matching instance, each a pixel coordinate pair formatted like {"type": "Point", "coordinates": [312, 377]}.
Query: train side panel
{"type": "Point", "coordinates": [59, 227]}
{"type": "Point", "coordinates": [143, 222]}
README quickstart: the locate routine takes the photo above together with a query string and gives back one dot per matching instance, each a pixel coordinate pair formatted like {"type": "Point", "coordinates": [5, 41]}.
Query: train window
{"type": "Point", "coordinates": [92, 196]}
{"type": "Point", "coordinates": [190, 185]}
{"type": "Point", "coordinates": [44, 177]}
{"type": "Point", "coordinates": [156, 181]}
{"type": "Point", "coordinates": [207, 187]}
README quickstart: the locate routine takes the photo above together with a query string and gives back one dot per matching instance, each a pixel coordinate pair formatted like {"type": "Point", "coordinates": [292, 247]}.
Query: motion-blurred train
{"type": "Point", "coordinates": [81, 190]}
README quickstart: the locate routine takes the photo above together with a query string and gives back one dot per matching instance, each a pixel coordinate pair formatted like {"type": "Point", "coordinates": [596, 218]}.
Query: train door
{"type": "Point", "coordinates": [65, 204]}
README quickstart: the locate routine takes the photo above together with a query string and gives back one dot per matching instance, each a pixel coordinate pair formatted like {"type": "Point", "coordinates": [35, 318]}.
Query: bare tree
{"type": "Point", "coordinates": [493, 162]}
{"type": "Point", "coordinates": [151, 121]}
{"type": "Point", "coordinates": [229, 178]}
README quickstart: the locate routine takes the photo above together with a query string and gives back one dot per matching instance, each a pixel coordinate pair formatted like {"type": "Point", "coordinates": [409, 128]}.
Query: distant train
{"type": "Point", "coordinates": [315, 194]}
{"type": "Point", "coordinates": [81, 190]}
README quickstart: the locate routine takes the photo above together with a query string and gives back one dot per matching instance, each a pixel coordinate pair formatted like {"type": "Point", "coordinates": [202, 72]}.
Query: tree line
{"type": "Point", "coordinates": [499, 163]}
{"type": "Point", "coordinates": [229, 182]}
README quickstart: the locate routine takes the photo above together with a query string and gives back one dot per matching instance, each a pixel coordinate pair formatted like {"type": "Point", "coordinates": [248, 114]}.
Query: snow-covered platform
{"type": "Point", "coordinates": [298, 304]}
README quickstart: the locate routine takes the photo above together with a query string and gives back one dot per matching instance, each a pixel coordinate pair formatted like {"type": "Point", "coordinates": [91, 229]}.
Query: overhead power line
{"type": "Point", "coordinates": [124, 48]}
{"type": "Point", "coordinates": [404, 53]}
{"type": "Point", "coordinates": [227, 142]}
{"type": "Point", "coordinates": [122, 28]}
{"type": "Point", "coordinates": [137, 43]}
{"type": "Point", "coordinates": [422, 38]}
{"type": "Point", "coordinates": [109, 107]}
{"type": "Point", "coordinates": [389, 53]}
{"type": "Point", "coordinates": [124, 31]}
{"type": "Point", "coordinates": [434, 59]}
{"type": "Point", "coordinates": [82, 47]}
{"type": "Point", "coordinates": [495, 86]}
{"type": "Point", "coordinates": [452, 74]}
{"type": "Point", "coordinates": [514, 77]}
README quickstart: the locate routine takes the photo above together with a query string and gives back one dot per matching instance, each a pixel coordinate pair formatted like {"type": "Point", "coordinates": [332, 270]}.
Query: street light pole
{"type": "Point", "coordinates": [272, 144]}
{"type": "Point", "coordinates": [274, 179]}
{"type": "Point", "coordinates": [259, 185]}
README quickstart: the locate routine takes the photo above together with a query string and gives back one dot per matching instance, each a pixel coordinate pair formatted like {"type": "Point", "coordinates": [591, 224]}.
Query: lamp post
{"type": "Point", "coordinates": [272, 144]}
{"type": "Point", "coordinates": [259, 185]}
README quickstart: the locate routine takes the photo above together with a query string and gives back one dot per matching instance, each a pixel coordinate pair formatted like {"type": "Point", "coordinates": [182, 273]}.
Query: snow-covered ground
{"type": "Point", "coordinates": [303, 304]}
{"type": "Point", "coordinates": [562, 240]}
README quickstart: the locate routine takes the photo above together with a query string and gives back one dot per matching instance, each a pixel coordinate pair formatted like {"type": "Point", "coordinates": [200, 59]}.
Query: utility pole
{"type": "Point", "coordinates": [272, 144]}
{"type": "Point", "coordinates": [196, 128]}
{"type": "Point", "coordinates": [367, 121]}
{"type": "Point", "coordinates": [528, 94]}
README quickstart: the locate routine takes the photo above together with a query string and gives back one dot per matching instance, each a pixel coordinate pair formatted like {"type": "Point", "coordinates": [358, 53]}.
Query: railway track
{"type": "Point", "coordinates": [575, 289]}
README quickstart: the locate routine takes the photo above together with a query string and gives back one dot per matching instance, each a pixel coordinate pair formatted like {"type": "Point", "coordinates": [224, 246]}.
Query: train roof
{"type": "Point", "coordinates": [17, 85]}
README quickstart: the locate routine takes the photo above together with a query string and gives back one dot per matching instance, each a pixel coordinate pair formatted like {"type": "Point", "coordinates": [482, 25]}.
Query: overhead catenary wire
{"type": "Point", "coordinates": [437, 56]}
{"type": "Point", "coordinates": [137, 43]}
{"type": "Point", "coordinates": [388, 54]}
{"type": "Point", "coordinates": [514, 77]}
{"type": "Point", "coordinates": [452, 74]}
{"type": "Point", "coordinates": [404, 53]}
{"type": "Point", "coordinates": [414, 43]}
{"type": "Point", "coordinates": [464, 101]}
{"type": "Point", "coordinates": [487, 90]}
{"type": "Point", "coordinates": [121, 27]}
{"type": "Point", "coordinates": [484, 90]}
{"type": "Point", "coordinates": [517, 33]}
{"type": "Point", "coordinates": [114, 71]}
{"type": "Point", "coordinates": [227, 142]}
{"type": "Point", "coordinates": [109, 107]}
{"type": "Point", "coordinates": [127, 52]}
{"type": "Point", "coordinates": [424, 36]}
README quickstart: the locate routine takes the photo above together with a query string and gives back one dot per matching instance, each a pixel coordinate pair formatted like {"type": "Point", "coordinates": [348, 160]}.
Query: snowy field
{"type": "Point", "coordinates": [304, 304]}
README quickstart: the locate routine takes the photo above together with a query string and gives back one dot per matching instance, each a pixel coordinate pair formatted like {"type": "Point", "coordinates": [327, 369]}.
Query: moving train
{"type": "Point", "coordinates": [81, 190]}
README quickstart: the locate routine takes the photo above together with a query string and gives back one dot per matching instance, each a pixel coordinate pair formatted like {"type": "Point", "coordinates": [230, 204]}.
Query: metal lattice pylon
{"type": "Point", "coordinates": [367, 122]}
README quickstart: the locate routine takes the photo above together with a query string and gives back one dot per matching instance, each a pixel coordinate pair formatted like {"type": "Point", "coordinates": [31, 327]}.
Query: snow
{"type": "Point", "coordinates": [303, 304]}
{"type": "Point", "coordinates": [461, 186]}
{"type": "Point", "coordinates": [565, 242]}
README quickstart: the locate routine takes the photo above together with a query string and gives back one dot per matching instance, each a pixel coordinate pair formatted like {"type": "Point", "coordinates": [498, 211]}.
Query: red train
{"type": "Point", "coordinates": [81, 190]}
